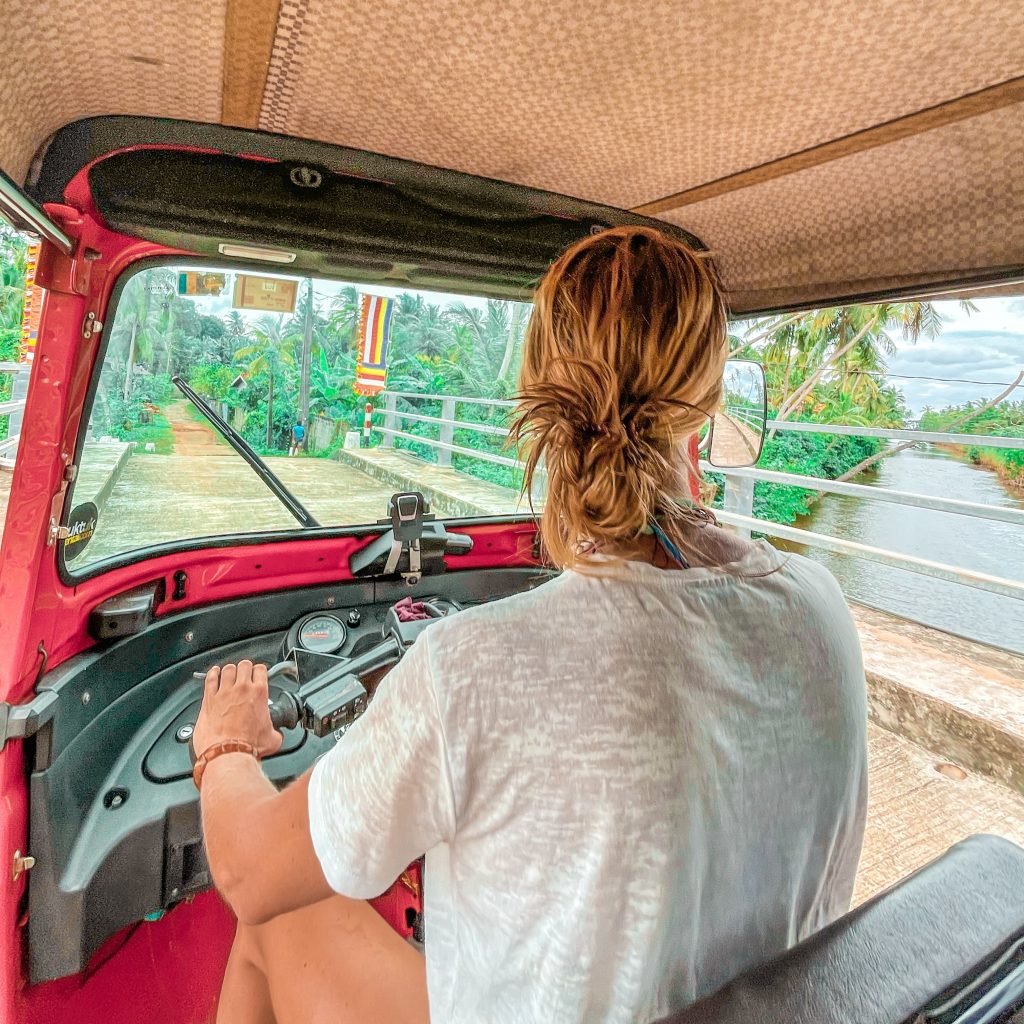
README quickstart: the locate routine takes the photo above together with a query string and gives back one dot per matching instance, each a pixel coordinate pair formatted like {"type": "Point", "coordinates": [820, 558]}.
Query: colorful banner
{"type": "Point", "coordinates": [374, 335]}
{"type": "Point", "coordinates": [33, 307]}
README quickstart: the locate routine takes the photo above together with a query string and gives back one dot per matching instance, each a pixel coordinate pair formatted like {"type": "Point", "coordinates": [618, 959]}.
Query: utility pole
{"type": "Point", "coordinates": [307, 356]}
{"type": "Point", "coordinates": [270, 412]}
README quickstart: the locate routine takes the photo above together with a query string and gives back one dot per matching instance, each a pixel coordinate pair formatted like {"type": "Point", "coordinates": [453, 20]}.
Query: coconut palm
{"type": "Point", "coordinates": [236, 330]}
{"type": "Point", "coordinates": [839, 341]}
{"type": "Point", "coordinates": [495, 335]}
{"type": "Point", "coordinates": [343, 320]}
{"type": "Point", "coordinates": [273, 353]}
{"type": "Point", "coordinates": [136, 329]}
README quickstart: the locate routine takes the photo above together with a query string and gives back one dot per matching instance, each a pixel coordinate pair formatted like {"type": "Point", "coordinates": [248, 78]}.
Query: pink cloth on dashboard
{"type": "Point", "coordinates": [409, 610]}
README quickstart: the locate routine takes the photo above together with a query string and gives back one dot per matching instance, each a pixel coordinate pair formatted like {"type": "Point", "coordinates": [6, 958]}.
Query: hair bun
{"type": "Point", "coordinates": [624, 350]}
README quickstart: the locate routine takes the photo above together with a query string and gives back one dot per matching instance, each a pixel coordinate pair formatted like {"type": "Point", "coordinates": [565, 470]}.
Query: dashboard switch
{"type": "Point", "coordinates": [354, 618]}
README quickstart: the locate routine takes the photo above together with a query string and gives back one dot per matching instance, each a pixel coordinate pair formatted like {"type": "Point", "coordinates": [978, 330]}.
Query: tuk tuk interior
{"type": "Point", "coordinates": [292, 143]}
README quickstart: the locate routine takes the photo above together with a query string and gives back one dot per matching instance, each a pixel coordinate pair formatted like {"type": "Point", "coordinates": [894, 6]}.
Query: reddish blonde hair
{"type": "Point", "coordinates": [622, 363]}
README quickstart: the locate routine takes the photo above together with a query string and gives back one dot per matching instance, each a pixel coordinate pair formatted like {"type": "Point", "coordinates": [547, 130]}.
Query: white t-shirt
{"type": "Point", "coordinates": [629, 788]}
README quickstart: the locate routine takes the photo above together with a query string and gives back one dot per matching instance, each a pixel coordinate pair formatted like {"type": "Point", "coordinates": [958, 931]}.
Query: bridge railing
{"type": "Point", "coordinates": [447, 423]}
{"type": "Point", "coordinates": [9, 443]}
{"type": "Point", "coordinates": [738, 496]}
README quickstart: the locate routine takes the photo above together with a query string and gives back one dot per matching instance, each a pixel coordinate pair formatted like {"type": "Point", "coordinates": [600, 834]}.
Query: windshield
{"type": "Point", "coordinates": [347, 392]}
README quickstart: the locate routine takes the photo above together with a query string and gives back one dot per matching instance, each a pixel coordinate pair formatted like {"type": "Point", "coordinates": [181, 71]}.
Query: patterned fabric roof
{"type": "Point", "coordinates": [628, 102]}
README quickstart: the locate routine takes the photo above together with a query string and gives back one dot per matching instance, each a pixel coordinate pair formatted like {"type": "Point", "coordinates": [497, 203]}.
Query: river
{"type": "Point", "coordinates": [985, 546]}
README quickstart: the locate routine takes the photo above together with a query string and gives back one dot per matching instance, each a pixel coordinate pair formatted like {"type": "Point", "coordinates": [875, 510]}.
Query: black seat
{"type": "Point", "coordinates": [945, 945]}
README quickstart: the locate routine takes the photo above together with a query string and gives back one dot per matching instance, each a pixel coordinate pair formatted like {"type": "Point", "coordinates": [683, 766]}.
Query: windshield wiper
{"type": "Point", "coordinates": [239, 443]}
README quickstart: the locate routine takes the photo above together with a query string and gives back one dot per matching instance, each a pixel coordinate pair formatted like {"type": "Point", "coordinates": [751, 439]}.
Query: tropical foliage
{"type": "Point", "coordinates": [1005, 420]}
{"type": "Point", "coordinates": [12, 295]}
{"type": "Point", "coordinates": [824, 365]}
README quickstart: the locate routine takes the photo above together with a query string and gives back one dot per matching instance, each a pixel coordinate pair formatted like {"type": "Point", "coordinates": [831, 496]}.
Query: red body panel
{"type": "Point", "coordinates": [32, 598]}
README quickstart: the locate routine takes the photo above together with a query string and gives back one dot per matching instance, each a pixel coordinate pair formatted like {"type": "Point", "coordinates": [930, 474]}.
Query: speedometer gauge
{"type": "Point", "coordinates": [321, 633]}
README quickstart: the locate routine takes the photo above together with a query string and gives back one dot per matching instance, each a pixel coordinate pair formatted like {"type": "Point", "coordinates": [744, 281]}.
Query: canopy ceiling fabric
{"type": "Point", "coordinates": [625, 102]}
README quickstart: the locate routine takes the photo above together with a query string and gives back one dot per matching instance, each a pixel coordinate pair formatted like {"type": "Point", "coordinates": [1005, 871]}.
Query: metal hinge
{"type": "Point", "coordinates": [56, 533]}
{"type": "Point", "coordinates": [22, 863]}
{"type": "Point", "coordinates": [91, 325]}
{"type": "Point", "coordinates": [20, 721]}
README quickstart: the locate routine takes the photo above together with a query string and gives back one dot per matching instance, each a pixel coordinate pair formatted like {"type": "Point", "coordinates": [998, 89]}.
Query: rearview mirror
{"type": "Point", "coordinates": [736, 434]}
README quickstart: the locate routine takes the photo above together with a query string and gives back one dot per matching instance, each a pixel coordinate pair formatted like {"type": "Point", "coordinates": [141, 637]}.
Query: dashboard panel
{"type": "Point", "coordinates": [114, 816]}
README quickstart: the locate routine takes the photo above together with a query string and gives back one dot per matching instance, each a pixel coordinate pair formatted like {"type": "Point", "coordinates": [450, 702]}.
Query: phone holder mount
{"type": "Point", "coordinates": [413, 547]}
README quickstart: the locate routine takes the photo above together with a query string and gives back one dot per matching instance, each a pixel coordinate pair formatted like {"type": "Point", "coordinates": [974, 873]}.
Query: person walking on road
{"type": "Point", "coordinates": [298, 435]}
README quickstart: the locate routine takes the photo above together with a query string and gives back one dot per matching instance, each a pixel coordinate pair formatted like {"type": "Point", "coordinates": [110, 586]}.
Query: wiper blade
{"type": "Point", "coordinates": [239, 443]}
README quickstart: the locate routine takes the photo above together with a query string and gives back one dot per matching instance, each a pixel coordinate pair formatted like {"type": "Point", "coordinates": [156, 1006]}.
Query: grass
{"type": "Point", "coordinates": [158, 432]}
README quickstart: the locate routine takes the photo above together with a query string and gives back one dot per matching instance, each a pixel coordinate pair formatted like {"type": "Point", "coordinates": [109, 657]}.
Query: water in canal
{"type": "Point", "coordinates": [991, 547]}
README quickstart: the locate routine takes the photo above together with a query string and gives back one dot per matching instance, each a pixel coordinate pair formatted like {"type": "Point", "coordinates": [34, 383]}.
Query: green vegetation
{"type": "Point", "coordinates": [12, 296]}
{"type": "Point", "coordinates": [825, 366]}
{"type": "Point", "coordinates": [1004, 420]}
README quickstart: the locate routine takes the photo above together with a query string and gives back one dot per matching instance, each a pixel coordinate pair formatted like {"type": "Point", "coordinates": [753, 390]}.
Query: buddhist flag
{"type": "Point", "coordinates": [32, 309]}
{"type": "Point", "coordinates": [374, 335]}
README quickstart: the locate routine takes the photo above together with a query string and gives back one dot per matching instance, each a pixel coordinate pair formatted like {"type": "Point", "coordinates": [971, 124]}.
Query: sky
{"type": "Point", "coordinates": [986, 346]}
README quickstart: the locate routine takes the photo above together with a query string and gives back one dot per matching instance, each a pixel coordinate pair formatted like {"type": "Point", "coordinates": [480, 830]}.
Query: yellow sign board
{"type": "Point", "coordinates": [269, 293]}
{"type": "Point", "coordinates": [198, 282]}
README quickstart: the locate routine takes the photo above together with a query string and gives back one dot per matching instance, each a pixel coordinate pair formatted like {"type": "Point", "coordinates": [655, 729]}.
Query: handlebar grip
{"type": "Point", "coordinates": [285, 712]}
{"type": "Point", "coordinates": [458, 544]}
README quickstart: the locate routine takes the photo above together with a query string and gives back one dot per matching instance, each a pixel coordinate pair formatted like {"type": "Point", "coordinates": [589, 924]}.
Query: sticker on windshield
{"type": "Point", "coordinates": [81, 527]}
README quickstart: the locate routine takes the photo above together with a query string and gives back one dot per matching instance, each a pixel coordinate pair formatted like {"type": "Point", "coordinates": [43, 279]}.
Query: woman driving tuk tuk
{"type": "Point", "coordinates": [629, 784]}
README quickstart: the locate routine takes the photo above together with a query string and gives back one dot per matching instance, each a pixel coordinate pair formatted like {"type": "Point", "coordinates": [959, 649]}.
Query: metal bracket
{"type": "Point", "coordinates": [56, 533]}
{"type": "Point", "coordinates": [408, 510]}
{"type": "Point", "coordinates": [91, 325]}
{"type": "Point", "coordinates": [20, 721]}
{"type": "Point", "coordinates": [21, 863]}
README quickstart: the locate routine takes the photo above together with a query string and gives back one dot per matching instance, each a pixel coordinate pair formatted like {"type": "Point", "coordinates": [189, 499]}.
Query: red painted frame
{"type": "Point", "coordinates": [169, 970]}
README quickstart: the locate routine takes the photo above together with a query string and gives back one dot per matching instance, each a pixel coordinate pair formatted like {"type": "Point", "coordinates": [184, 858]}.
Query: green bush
{"type": "Point", "coordinates": [1003, 420]}
{"type": "Point", "coordinates": [822, 455]}
{"type": "Point", "coordinates": [214, 381]}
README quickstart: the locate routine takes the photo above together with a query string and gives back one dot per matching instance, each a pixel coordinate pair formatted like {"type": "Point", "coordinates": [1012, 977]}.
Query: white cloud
{"type": "Point", "coordinates": [979, 353]}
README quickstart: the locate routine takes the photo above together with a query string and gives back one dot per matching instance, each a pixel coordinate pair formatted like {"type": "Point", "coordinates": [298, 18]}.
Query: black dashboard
{"type": "Point", "coordinates": [114, 816]}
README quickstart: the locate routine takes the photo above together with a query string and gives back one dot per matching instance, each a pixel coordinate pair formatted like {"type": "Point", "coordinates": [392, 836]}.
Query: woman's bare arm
{"type": "Point", "coordinates": [257, 839]}
{"type": "Point", "coordinates": [258, 842]}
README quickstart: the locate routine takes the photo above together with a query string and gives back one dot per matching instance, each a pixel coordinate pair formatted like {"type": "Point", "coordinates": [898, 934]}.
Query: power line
{"type": "Point", "coordinates": [944, 380]}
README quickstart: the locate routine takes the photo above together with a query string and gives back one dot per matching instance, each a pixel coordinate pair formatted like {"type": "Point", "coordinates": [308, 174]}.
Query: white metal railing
{"type": "Point", "coordinates": [447, 423]}
{"type": "Point", "coordinates": [893, 434]}
{"type": "Point", "coordinates": [1015, 516]}
{"type": "Point", "coordinates": [921, 566]}
{"type": "Point", "coordinates": [13, 405]}
{"type": "Point", "coordinates": [739, 483]}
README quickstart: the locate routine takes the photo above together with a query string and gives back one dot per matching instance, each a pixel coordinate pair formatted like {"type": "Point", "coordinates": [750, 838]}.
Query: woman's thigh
{"type": "Point", "coordinates": [336, 961]}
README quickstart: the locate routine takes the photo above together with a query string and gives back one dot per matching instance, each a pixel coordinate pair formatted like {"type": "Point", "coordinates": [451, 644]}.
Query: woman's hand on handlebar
{"type": "Point", "coordinates": [235, 708]}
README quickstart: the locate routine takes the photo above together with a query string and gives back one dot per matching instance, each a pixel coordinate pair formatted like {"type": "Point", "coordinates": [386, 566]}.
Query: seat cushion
{"type": "Point", "coordinates": [916, 944]}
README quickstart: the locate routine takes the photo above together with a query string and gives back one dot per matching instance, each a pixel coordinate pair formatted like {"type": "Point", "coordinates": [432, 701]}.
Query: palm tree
{"type": "Point", "coordinates": [136, 326]}
{"type": "Point", "coordinates": [236, 330]}
{"type": "Point", "coordinates": [495, 336]}
{"type": "Point", "coordinates": [841, 340]}
{"type": "Point", "coordinates": [343, 320]}
{"type": "Point", "coordinates": [272, 352]}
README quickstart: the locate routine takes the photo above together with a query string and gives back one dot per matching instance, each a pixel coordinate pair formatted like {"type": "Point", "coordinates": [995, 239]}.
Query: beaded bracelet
{"type": "Point", "coordinates": [224, 747]}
